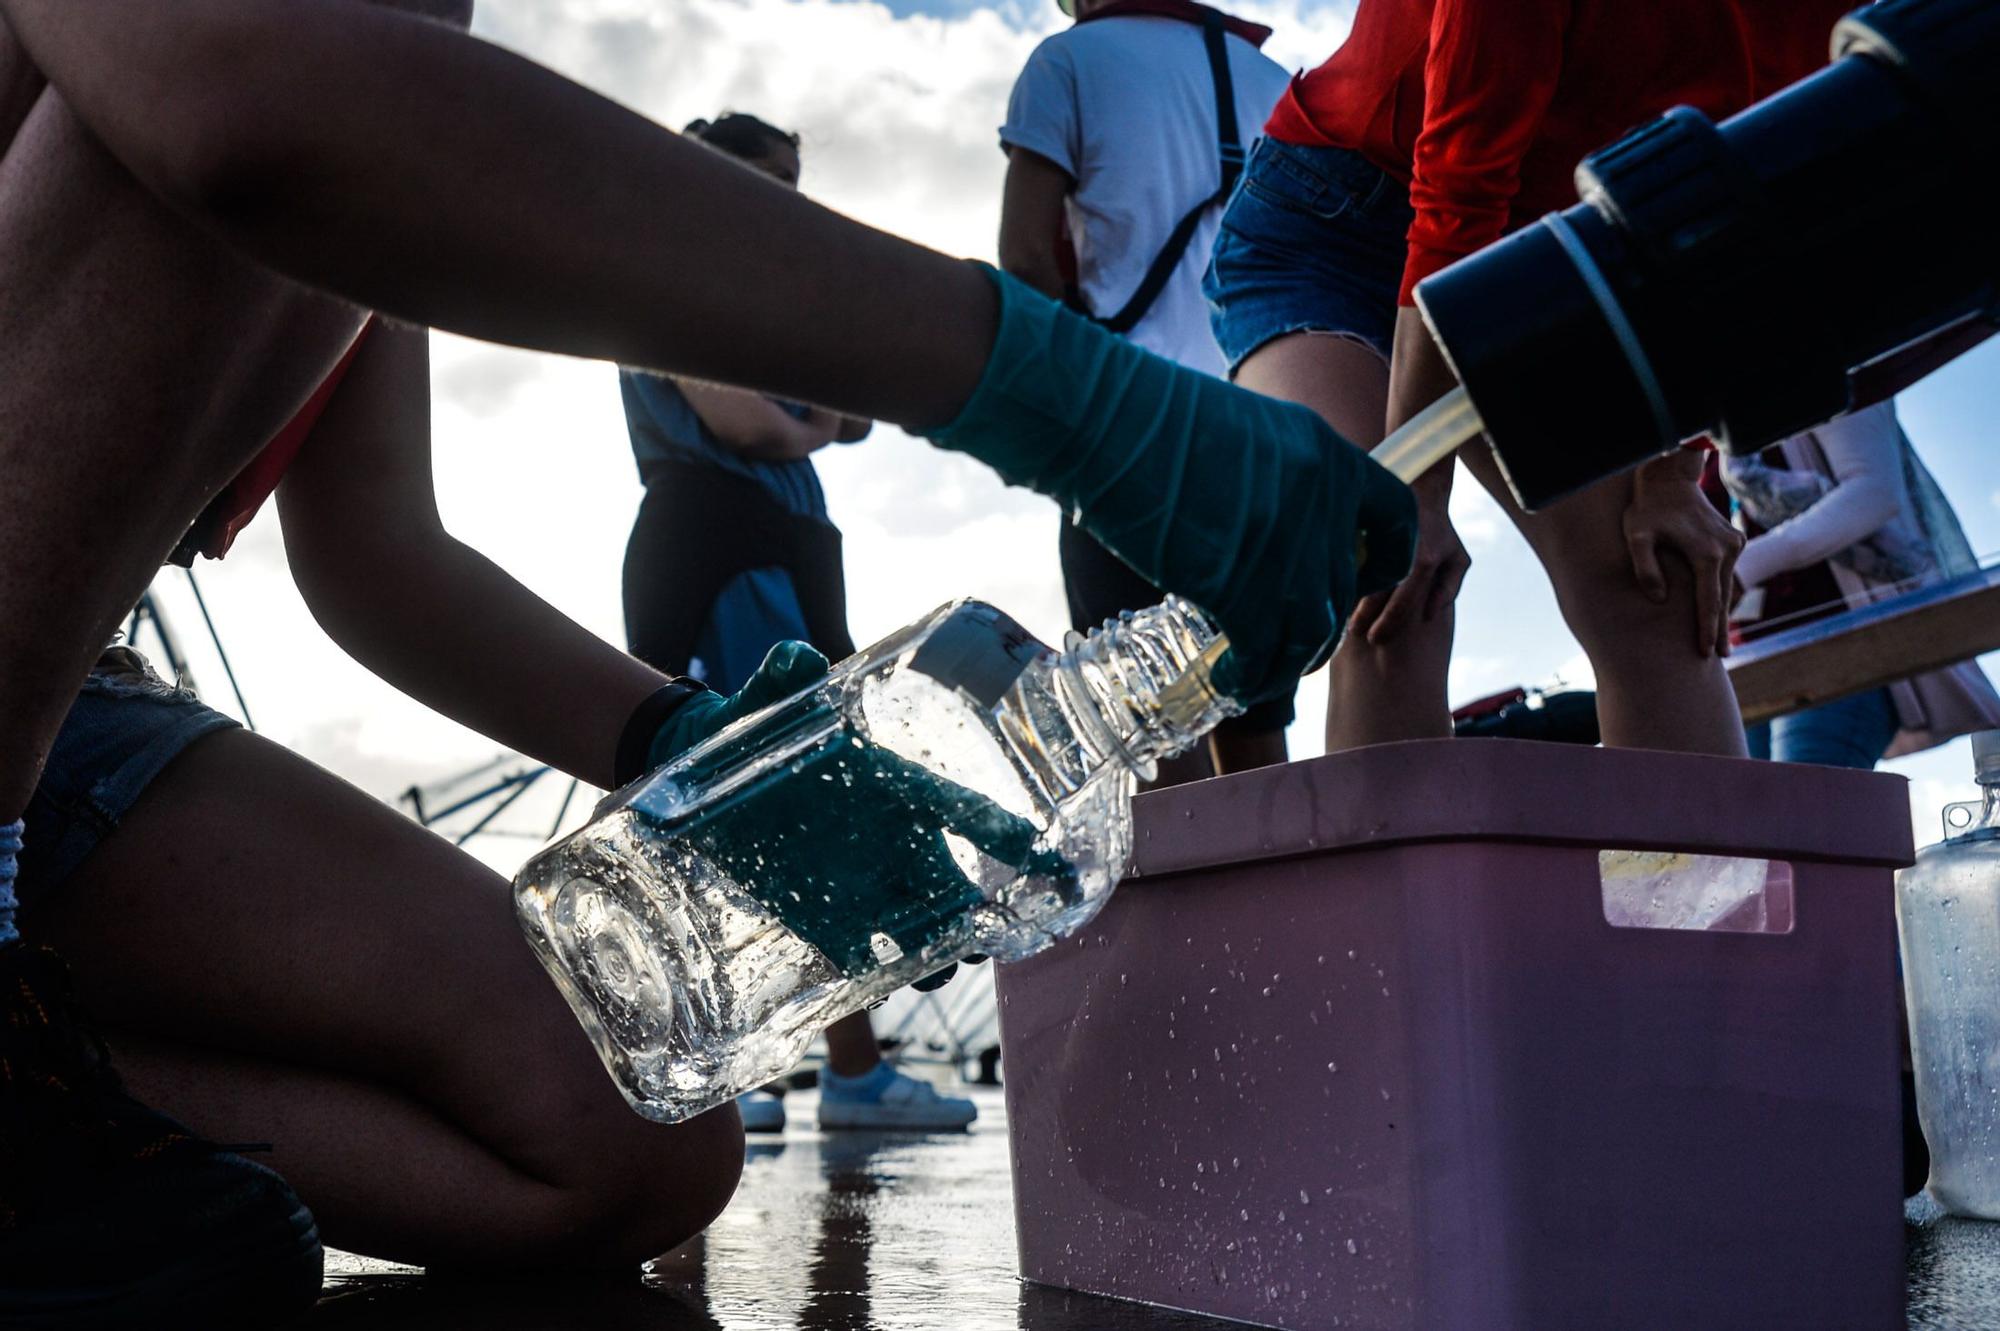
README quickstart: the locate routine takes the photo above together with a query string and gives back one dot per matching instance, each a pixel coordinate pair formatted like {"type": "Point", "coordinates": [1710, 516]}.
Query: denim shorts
{"type": "Point", "coordinates": [1313, 241]}
{"type": "Point", "coordinates": [125, 727]}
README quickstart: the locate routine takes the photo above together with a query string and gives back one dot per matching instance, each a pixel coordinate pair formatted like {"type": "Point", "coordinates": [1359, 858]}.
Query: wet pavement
{"type": "Point", "coordinates": [869, 1232]}
{"type": "Point", "coordinates": [1954, 1268]}
{"type": "Point", "coordinates": [846, 1231]}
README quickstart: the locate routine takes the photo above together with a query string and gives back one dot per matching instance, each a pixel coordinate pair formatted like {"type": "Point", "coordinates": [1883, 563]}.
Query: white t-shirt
{"type": "Point", "coordinates": [1126, 106]}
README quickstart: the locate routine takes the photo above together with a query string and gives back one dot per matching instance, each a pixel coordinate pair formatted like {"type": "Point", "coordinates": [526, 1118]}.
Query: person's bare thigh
{"type": "Point", "coordinates": [1341, 378]}
{"type": "Point", "coordinates": [254, 904]}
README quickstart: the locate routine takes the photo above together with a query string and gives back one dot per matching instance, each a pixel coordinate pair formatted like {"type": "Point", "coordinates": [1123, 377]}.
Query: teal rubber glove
{"type": "Point", "coordinates": [1250, 507]}
{"type": "Point", "coordinates": [788, 668]}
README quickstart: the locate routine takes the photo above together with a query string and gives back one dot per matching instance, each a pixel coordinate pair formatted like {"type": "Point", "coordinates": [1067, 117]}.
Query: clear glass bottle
{"type": "Point", "coordinates": [956, 788]}
{"type": "Point", "coordinates": [1948, 916]}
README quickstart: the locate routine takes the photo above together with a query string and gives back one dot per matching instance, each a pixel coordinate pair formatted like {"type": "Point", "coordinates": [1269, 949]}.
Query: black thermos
{"type": "Point", "coordinates": [1750, 280]}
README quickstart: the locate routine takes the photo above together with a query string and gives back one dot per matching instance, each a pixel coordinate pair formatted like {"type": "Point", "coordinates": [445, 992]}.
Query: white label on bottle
{"type": "Point", "coordinates": [979, 651]}
{"type": "Point", "coordinates": [886, 949]}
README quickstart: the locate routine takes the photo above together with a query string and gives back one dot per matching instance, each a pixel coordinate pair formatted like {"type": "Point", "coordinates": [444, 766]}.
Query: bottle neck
{"type": "Point", "coordinates": [1989, 813]}
{"type": "Point", "coordinates": [1144, 680]}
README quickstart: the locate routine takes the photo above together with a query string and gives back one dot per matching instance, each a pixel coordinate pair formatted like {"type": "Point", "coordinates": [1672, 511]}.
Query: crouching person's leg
{"type": "Point", "coordinates": [278, 958]}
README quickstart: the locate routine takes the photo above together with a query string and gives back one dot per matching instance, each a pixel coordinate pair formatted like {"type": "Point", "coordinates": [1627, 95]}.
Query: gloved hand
{"type": "Point", "coordinates": [1250, 507]}
{"type": "Point", "coordinates": [788, 668]}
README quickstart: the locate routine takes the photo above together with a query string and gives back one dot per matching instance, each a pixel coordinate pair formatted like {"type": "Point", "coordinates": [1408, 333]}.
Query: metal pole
{"type": "Point", "coordinates": [216, 638]}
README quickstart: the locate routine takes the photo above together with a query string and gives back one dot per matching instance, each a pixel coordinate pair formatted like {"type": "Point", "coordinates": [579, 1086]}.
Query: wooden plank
{"type": "Point", "coordinates": [1888, 375]}
{"type": "Point", "coordinates": [1868, 647]}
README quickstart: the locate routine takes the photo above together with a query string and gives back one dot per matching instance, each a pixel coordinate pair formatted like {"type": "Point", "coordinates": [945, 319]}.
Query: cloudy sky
{"type": "Point", "coordinates": [898, 105]}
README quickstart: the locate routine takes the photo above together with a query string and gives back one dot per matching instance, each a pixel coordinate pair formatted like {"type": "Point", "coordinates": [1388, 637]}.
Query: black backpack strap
{"type": "Point", "coordinates": [1216, 37]}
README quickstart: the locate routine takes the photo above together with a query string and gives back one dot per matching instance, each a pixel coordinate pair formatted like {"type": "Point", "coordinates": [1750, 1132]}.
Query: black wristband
{"type": "Point", "coordinates": [635, 742]}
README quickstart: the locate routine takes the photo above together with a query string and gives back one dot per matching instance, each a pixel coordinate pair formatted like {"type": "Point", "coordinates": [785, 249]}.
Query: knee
{"type": "Point", "coordinates": [624, 1188]}
{"type": "Point", "coordinates": [660, 1186]}
{"type": "Point", "coordinates": [1619, 626]}
{"type": "Point", "coordinates": [682, 1185]}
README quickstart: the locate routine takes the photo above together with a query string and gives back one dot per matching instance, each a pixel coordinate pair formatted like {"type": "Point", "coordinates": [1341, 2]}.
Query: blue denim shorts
{"type": "Point", "coordinates": [125, 727]}
{"type": "Point", "coordinates": [1313, 241]}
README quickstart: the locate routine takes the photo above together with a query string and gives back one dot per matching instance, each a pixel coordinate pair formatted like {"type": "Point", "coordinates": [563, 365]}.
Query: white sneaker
{"type": "Point", "coordinates": [887, 1099]}
{"type": "Point", "coordinates": [761, 1111]}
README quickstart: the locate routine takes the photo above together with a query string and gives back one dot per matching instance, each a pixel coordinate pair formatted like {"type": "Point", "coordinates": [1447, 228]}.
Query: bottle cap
{"type": "Point", "coordinates": [1986, 757]}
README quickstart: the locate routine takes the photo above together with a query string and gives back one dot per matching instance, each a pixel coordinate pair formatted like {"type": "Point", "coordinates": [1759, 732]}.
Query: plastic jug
{"type": "Point", "coordinates": [1948, 914]}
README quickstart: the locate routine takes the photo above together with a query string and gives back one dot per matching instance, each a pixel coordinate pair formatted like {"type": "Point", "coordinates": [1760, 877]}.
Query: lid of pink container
{"type": "Point", "coordinates": [1522, 791]}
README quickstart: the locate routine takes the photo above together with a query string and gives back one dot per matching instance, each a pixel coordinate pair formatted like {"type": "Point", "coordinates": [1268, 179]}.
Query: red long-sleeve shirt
{"type": "Point", "coordinates": [1484, 107]}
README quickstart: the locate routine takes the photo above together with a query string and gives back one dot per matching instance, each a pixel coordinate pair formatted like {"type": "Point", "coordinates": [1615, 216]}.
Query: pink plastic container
{"type": "Point", "coordinates": [1358, 1046]}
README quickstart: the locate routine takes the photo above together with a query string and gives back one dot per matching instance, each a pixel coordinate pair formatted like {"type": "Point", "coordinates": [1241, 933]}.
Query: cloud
{"type": "Point", "coordinates": [1024, 15]}
{"type": "Point", "coordinates": [908, 488]}
{"type": "Point", "coordinates": [898, 104]}
{"type": "Point", "coordinates": [1476, 515]}
{"type": "Point", "coordinates": [480, 379]}
{"type": "Point", "coordinates": [1576, 672]}
{"type": "Point", "coordinates": [898, 114]}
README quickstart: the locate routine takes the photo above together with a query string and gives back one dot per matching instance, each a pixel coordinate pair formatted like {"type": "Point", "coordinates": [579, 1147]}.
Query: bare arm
{"type": "Point", "coordinates": [390, 585]}
{"type": "Point", "coordinates": [756, 427]}
{"type": "Point", "coordinates": [1864, 450]}
{"type": "Point", "coordinates": [1418, 372]}
{"type": "Point", "coordinates": [1031, 219]}
{"type": "Point", "coordinates": [502, 201]}
{"type": "Point", "coordinates": [1419, 376]}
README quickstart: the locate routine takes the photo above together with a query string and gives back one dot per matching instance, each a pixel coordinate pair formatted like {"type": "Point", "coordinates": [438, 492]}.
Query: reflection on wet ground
{"type": "Point", "coordinates": [846, 1231]}
{"type": "Point", "coordinates": [1954, 1269]}
{"type": "Point", "coordinates": [868, 1232]}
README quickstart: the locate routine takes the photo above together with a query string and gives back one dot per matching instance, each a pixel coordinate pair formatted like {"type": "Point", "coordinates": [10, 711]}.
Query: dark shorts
{"type": "Point", "coordinates": [1313, 241]}
{"type": "Point", "coordinates": [125, 727]}
{"type": "Point", "coordinates": [1100, 585]}
{"type": "Point", "coordinates": [717, 573]}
